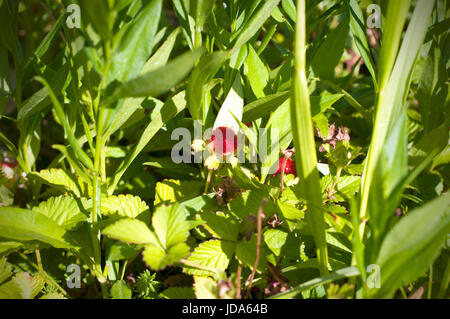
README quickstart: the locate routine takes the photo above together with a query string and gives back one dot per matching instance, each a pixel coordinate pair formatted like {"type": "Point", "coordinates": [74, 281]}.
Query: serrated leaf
{"type": "Point", "coordinates": [172, 191]}
{"type": "Point", "coordinates": [213, 254]}
{"type": "Point", "coordinates": [66, 211]}
{"type": "Point", "coordinates": [53, 295]}
{"type": "Point", "coordinates": [158, 258]}
{"type": "Point", "coordinates": [130, 231]}
{"type": "Point", "coordinates": [290, 214]}
{"type": "Point", "coordinates": [204, 288]}
{"type": "Point", "coordinates": [59, 179]}
{"type": "Point", "coordinates": [5, 270]}
{"type": "Point", "coordinates": [27, 286]}
{"type": "Point", "coordinates": [221, 225]}
{"type": "Point", "coordinates": [169, 223]}
{"type": "Point", "coordinates": [124, 205]}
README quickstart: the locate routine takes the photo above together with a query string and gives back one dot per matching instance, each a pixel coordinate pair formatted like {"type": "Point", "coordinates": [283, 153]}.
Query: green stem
{"type": "Point", "coordinates": [208, 181]}
{"type": "Point", "coordinates": [445, 281]}
{"type": "Point", "coordinates": [430, 282]}
{"type": "Point", "coordinates": [303, 136]}
{"type": "Point", "coordinates": [338, 175]}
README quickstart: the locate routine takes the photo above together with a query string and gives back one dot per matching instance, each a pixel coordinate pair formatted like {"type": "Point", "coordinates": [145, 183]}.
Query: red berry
{"type": "Point", "coordinates": [289, 167]}
{"type": "Point", "coordinates": [225, 140]}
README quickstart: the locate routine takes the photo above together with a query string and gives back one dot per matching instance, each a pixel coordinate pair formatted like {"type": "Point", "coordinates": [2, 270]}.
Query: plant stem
{"type": "Point", "coordinates": [430, 282]}
{"type": "Point", "coordinates": [303, 137]}
{"type": "Point", "coordinates": [258, 246]}
{"type": "Point", "coordinates": [208, 181]}
{"type": "Point", "coordinates": [338, 175]}
{"type": "Point", "coordinates": [238, 281]}
{"type": "Point", "coordinates": [444, 282]}
{"type": "Point", "coordinates": [283, 167]}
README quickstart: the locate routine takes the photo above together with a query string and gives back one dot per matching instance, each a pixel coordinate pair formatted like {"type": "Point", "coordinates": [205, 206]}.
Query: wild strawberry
{"type": "Point", "coordinates": [225, 140]}
{"type": "Point", "coordinates": [289, 167]}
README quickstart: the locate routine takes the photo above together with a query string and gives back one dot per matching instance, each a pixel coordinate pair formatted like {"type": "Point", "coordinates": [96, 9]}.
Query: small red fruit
{"type": "Point", "coordinates": [225, 140]}
{"type": "Point", "coordinates": [289, 167]}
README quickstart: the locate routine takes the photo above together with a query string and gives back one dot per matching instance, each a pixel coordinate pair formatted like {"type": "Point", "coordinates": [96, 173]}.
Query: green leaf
{"type": "Point", "coordinates": [99, 15]}
{"type": "Point", "coordinates": [256, 22]}
{"type": "Point", "coordinates": [5, 270]}
{"type": "Point", "coordinates": [162, 55]}
{"type": "Point", "coordinates": [412, 245]}
{"type": "Point", "coordinates": [430, 144]}
{"type": "Point", "coordinates": [257, 73]}
{"type": "Point", "coordinates": [249, 202]}
{"type": "Point", "coordinates": [60, 179]}
{"type": "Point", "coordinates": [203, 73]}
{"type": "Point", "coordinates": [124, 205]}
{"type": "Point", "coordinates": [205, 288]}
{"type": "Point", "coordinates": [119, 250]}
{"type": "Point", "coordinates": [46, 42]}
{"type": "Point", "coordinates": [330, 51]}
{"type": "Point", "coordinates": [159, 117]}
{"type": "Point", "coordinates": [358, 29]}
{"type": "Point", "coordinates": [120, 290]}
{"type": "Point", "coordinates": [131, 231]}
{"type": "Point", "coordinates": [66, 211]}
{"type": "Point", "coordinates": [25, 225]}
{"type": "Point", "coordinates": [164, 164]}
{"type": "Point", "coordinates": [275, 240]}
{"type": "Point", "coordinates": [169, 223]}
{"type": "Point", "coordinates": [6, 247]}
{"type": "Point", "coordinates": [136, 44]}
{"type": "Point", "coordinates": [246, 253]}
{"type": "Point", "coordinates": [172, 191]}
{"type": "Point", "coordinates": [263, 106]}
{"type": "Point", "coordinates": [201, 9]}
{"type": "Point", "coordinates": [221, 225]}
{"type": "Point", "coordinates": [53, 295]}
{"type": "Point", "coordinates": [158, 258]}
{"type": "Point", "coordinates": [82, 156]}
{"type": "Point", "coordinates": [6, 196]}
{"type": "Point", "coordinates": [22, 286]}
{"type": "Point", "coordinates": [159, 81]}
{"type": "Point", "coordinates": [290, 214]}
{"type": "Point", "coordinates": [393, 87]}
{"type": "Point", "coordinates": [214, 254]}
